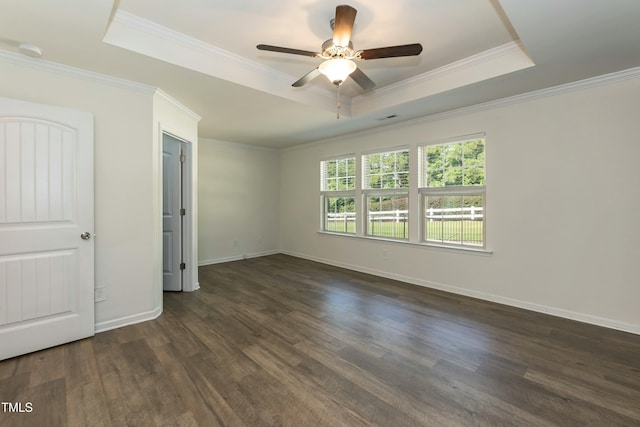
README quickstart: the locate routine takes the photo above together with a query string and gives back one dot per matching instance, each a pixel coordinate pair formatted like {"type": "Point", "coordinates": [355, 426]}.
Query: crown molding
{"type": "Point", "coordinates": [238, 145]}
{"type": "Point", "coordinates": [156, 30]}
{"type": "Point", "coordinates": [145, 37]}
{"type": "Point", "coordinates": [178, 105]}
{"type": "Point", "coordinates": [73, 72]}
{"type": "Point", "coordinates": [491, 63]}
{"type": "Point", "coordinates": [585, 84]}
{"type": "Point", "coordinates": [470, 62]}
{"type": "Point", "coordinates": [589, 83]}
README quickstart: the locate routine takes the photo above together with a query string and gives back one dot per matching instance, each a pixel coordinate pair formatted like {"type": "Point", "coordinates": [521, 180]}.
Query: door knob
{"type": "Point", "coordinates": [86, 235]}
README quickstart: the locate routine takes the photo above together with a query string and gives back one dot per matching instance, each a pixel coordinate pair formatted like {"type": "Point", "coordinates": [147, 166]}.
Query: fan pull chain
{"type": "Point", "coordinates": [338, 100]}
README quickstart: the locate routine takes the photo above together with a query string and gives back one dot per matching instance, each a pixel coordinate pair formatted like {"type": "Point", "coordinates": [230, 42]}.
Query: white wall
{"type": "Point", "coordinates": [573, 154]}
{"type": "Point", "coordinates": [576, 153]}
{"type": "Point", "coordinates": [238, 201]}
{"type": "Point", "coordinates": [127, 180]}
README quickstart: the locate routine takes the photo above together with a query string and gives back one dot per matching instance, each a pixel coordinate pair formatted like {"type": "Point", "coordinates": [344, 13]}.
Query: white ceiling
{"type": "Point", "coordinates": [202, 52]}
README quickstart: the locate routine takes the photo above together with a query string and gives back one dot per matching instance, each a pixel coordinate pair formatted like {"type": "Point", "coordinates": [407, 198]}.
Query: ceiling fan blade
{"type": "Point", "coordinates": [286, 50]}
{"type": "Point", "coordinates": [343, 25]}
{"type": "Point", "coordinates": [392, 51]}
{"type": "Point", "coordinates": [362, 79]}
{"type": "Point", "coordinates": [307, 78]}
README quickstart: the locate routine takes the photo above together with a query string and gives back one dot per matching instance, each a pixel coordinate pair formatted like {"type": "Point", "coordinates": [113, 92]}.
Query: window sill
{"type": "Point", "coordinates": [455, 249]}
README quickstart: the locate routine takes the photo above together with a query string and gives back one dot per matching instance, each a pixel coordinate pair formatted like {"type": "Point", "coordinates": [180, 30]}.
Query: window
{"type": "Point", "coordinates": [386, 192]}
{"type": "Point", "coordinates": [338, 194]}
{"type": "Point", "coordinates": [368, 194]}
{"type": "Point", "coordinates": [452, 189]}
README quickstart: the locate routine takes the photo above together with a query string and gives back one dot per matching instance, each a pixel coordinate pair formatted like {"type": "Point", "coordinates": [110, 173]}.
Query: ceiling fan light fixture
{"type": "Point", "coordinates": [337, 69]}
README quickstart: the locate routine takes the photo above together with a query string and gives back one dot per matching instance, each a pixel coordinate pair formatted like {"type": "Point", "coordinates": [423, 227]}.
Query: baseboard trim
{"type": "Point", "coordinates": [128, 320]}
{"type": "Point", "coordinates": [237, 258]}
{"type": "Point", "coordinates": [539, 308]}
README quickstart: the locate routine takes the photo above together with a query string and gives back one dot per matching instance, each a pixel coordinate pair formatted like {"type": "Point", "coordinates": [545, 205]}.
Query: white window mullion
{"type": "Point", "coordinates": [358, 195]}
{"type": "Point", "coordinates": [414, 196]}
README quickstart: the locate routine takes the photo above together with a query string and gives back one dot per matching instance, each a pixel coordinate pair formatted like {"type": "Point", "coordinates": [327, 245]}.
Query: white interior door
{"type": "Point", "coordinates": [171, 217]}
{"type": "Point", "coordinates": [46, 204]}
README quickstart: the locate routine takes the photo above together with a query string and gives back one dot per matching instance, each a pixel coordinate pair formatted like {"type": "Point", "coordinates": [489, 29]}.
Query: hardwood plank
{"type": "Point", "coordinates": [47, 402]}
{"type": "Point", "coordinates": [12, 387]}
{"type": "Point", "coordinates": [283, 341]}
{"type": "Point", "coordinates": [283, 383]}
{"type": "Point", "coordinates": [622, 403]}
{"type": "Point", "coordinates": [534, 398]}
{"type": "Point", "coordinates": [86, 400]}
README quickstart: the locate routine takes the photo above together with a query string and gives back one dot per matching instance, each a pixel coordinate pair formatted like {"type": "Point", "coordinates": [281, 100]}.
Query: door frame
{"type": "Point", "coordinates": [189, 198]}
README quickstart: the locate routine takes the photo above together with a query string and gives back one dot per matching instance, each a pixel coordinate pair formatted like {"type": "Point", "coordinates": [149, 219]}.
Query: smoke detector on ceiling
{"type": "Point", "coordinates": [30, 50]}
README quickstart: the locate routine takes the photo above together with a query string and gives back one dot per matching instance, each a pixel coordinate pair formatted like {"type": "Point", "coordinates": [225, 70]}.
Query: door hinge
{"type": "Point", "coordinates": [182, 158]}
{"type": "Point", "coordinates": [183, 211]}
{"type": "Point", "coordinates": [182, 266]}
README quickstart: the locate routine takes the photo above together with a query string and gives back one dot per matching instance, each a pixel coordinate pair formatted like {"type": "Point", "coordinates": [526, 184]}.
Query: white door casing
{"type": "Point", "coordinates": [46, 204]}
{"type": "Point", "coordinates": [171, 217]}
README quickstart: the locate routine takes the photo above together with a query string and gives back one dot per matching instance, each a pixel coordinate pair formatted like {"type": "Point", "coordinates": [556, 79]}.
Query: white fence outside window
{"type": "Point", "coordinates": [475, 213]}
{"type": "Point", "coordinates": [472, 213]}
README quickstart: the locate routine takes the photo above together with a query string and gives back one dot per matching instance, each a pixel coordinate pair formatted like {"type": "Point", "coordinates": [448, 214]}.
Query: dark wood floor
{"type": "Point", "coordinates": [282, 341]}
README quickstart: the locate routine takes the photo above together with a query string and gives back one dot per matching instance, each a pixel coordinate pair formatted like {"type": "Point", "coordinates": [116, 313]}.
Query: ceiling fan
{"type": "Point", "coordinates": [339, 54]}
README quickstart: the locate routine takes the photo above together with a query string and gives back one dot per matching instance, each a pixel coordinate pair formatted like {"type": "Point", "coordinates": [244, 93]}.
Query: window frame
{"type": "Point", "coordinates": [473, 190]}
{"type": "Point", "coordinates": [326, 194]}
{"type": "Point", "coordinates": [397, 192]}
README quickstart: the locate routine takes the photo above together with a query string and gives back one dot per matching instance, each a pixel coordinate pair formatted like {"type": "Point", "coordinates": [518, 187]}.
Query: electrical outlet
{"type": "Point", "coordinates": [100, 294]}
{"type": "Point", "coordinates": [385, 254]}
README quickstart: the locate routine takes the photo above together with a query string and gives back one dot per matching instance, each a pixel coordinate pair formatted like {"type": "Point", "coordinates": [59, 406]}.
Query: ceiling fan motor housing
{"type": "Point", "coordinates": [330, 51]}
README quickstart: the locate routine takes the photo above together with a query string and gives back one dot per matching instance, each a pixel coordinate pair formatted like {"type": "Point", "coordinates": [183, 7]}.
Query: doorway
{"type": "Point", "coordinates": [173, 212]}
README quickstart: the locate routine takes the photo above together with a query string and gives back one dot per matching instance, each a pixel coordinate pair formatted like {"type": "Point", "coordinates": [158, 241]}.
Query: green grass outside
{"type": "Point", "coordinates": [391, 229]}
{"type": "Point", "coordinates": [454, 232]}
{"type": "Point", "coordinates": [436, 231]}
{"type": "Point", "coordinates": [341, 226]}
